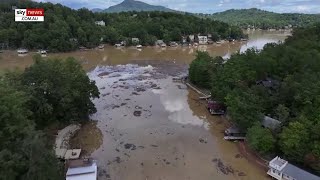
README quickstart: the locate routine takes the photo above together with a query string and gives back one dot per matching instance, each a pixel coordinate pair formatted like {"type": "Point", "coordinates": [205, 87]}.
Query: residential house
{"type": "Point", "coordinates": [100, 23]}
{"type": "Point", "coordinates": [82, 169]}
{"type": "Point", "coordinates": [281, 169]}
{"type": "Point", "coordinates": [135, 40]}
{"type": "Point", "coordinates": [203, 39]}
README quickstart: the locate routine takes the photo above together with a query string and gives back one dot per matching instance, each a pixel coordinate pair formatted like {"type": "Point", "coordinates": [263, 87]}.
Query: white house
{"type": "Point", "coordinates": [203, 39]}
{"type": "Point", "coordinates": [100, 23]}
{"type": "Point", "coordinates": [280, 169]}
{"type": "Point", "coordinates": [82, 170]}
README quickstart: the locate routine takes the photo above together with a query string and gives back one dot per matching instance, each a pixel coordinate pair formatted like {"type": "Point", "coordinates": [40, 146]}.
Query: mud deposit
{"type": "Point", "coordinates": [88, 138]}
{"type": "Point", "coordinates": [156, 129]}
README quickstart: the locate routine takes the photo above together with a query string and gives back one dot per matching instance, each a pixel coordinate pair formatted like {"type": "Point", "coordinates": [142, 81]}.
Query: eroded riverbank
{"type": "Point", "coordinates": [154, 128]}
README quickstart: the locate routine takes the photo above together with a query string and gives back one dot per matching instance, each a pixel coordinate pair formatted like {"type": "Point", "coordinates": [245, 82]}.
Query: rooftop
{"type": "Point", "coordinates": [298, 173]}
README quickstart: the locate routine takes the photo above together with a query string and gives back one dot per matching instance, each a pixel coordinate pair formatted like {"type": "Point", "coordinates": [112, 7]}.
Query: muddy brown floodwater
{"type": "Point", "coordinates": [113, 56]}
{"type": "Point", "coordinates": [156, 129]}
{"type": "Point", "coordinates": [147, 126]}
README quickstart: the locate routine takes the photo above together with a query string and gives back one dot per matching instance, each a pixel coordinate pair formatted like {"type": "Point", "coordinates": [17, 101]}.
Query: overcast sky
{"type": "Point", "coordinates": [207, 6]}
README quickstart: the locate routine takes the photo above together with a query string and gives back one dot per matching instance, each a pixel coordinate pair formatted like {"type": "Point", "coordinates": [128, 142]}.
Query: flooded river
{"type": "Point", "coordinates": [147, 126]}
{"type": "Point", "coordinates": [113, 56]}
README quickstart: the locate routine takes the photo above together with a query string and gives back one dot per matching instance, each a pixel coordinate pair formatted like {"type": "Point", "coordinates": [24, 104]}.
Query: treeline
{"type": "Point", "coordinates": [263, 19]}
{"type": "Point", "coordinates": [65, 29]}
{"type": "Point", "coordinates": [282, 82]}
{"type": "Point", "coordinates": [47, 93]}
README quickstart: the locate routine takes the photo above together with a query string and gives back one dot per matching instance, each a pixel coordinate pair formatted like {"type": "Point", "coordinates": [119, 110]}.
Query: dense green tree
{"type": "Point", "coordinates": [60, 90]}
{"type": "Point", "coordinates": [24, 152]}
{"type": "Point", "coordinates": [294, 141]}
{"type": "Point", "coordinates": [261, 139]}
{"type": "Point", "coordinates": [65, 29]}
{"type": "Point", "coordinates": [281, 81]}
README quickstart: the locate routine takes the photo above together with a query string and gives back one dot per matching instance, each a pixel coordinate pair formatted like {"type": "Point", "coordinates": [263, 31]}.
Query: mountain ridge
{"type": "Point", "coordinates": [134, 5]}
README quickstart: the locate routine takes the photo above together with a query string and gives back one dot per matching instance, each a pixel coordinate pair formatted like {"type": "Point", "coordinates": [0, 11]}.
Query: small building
{"type": "Point", "coordinates": [184, 39]}
{"type": "Point", "coordinates": [203, 39]}
{"type": "Point", "coordinates": [100, 23]}
{"type": "Point", "coordinates": [22, 51]}
{"type": "Point", "coordinates": [85, 169]}
{"type": "Point", "coordinates": [135, 40]}
{"type": "Point", "coordinates": [281, 169]}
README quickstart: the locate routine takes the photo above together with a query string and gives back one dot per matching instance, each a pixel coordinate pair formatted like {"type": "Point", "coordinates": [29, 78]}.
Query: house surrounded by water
{"type": "Point", "coordinates": [281, 169]}
{"type": "Point", "coordinates": [203, 39]}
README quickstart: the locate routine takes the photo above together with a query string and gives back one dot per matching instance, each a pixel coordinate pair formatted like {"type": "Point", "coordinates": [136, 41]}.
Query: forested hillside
{"type": "Point", "coordinates": [65, 29]}
{"type": "Point", "coordinates": [289, 92]}
{"type": "Point", "coordinates": [264, 19]}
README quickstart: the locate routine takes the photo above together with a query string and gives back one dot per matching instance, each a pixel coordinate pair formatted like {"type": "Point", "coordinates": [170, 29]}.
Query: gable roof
{"type": "Point", "coordinates": [297, 173]}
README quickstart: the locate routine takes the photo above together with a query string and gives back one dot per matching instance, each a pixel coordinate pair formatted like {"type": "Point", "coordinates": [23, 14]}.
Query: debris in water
{"type": "Point", "coordinates": [118, 160]}
{"type": "Point", "coordinates": [223, 168]}
{"type": "Point", "coordinates": [130, 146]}
{"type": "Point", "coordinates": [135, 93]}
{"type": "Point", "coordinates": [203, 141]}
{"type": "Point", "coordinates": [138, 107]}
{"type": "Point", "coordinates": [137, 113]}
{"type": "Point", "coordinates": [103, 74]}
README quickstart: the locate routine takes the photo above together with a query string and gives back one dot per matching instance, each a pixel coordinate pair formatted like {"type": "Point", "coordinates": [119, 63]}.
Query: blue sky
{"type": "Point", "coordinates": [207, 6]}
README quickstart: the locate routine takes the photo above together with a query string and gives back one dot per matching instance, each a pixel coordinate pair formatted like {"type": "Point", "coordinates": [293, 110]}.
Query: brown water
{"type": "Point", "coordinates": [112, 56]}
{"type": "Point", "coordinates": [156, 129]}
{"type": "Point", "coordinates": [151, 127]}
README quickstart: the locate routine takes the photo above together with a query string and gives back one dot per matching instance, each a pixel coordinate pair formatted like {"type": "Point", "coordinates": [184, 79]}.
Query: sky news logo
{"type": "Point", "coordinates": [29, 15]}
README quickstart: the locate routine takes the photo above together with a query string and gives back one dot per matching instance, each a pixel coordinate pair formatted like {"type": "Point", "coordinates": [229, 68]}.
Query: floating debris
{"type": "Point", "coordinates": [130, 146]}
{"type": "Point", "coordinates": [137, 113]}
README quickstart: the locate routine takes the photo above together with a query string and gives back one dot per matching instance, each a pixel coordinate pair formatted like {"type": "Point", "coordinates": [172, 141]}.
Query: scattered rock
{"type": "Point", "coordinates": [122, 79]}
{"type": "Point", "coordinates": [242, 174]}
{"type": "Point", "coordinates": [103, 88]}
{"type": "Point", "coordinates": [167, 163]}
{"type": "Point", "coordinates": [141, 164]}
{"type": "Point", "coordinates": [117, 150]}
{"type": "Point", "coordinates": [123, 104]}
{"type": "Point", "coordinates": [238, 156]}
{"type": "Point", "coordinates": [127, 99]}
{"type": "Point", "coordinates": [154, 145]}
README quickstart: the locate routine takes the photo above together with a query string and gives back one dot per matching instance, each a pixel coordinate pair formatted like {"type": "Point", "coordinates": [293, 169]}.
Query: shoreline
{"type": "Point", "coordinates": [242, 146]}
